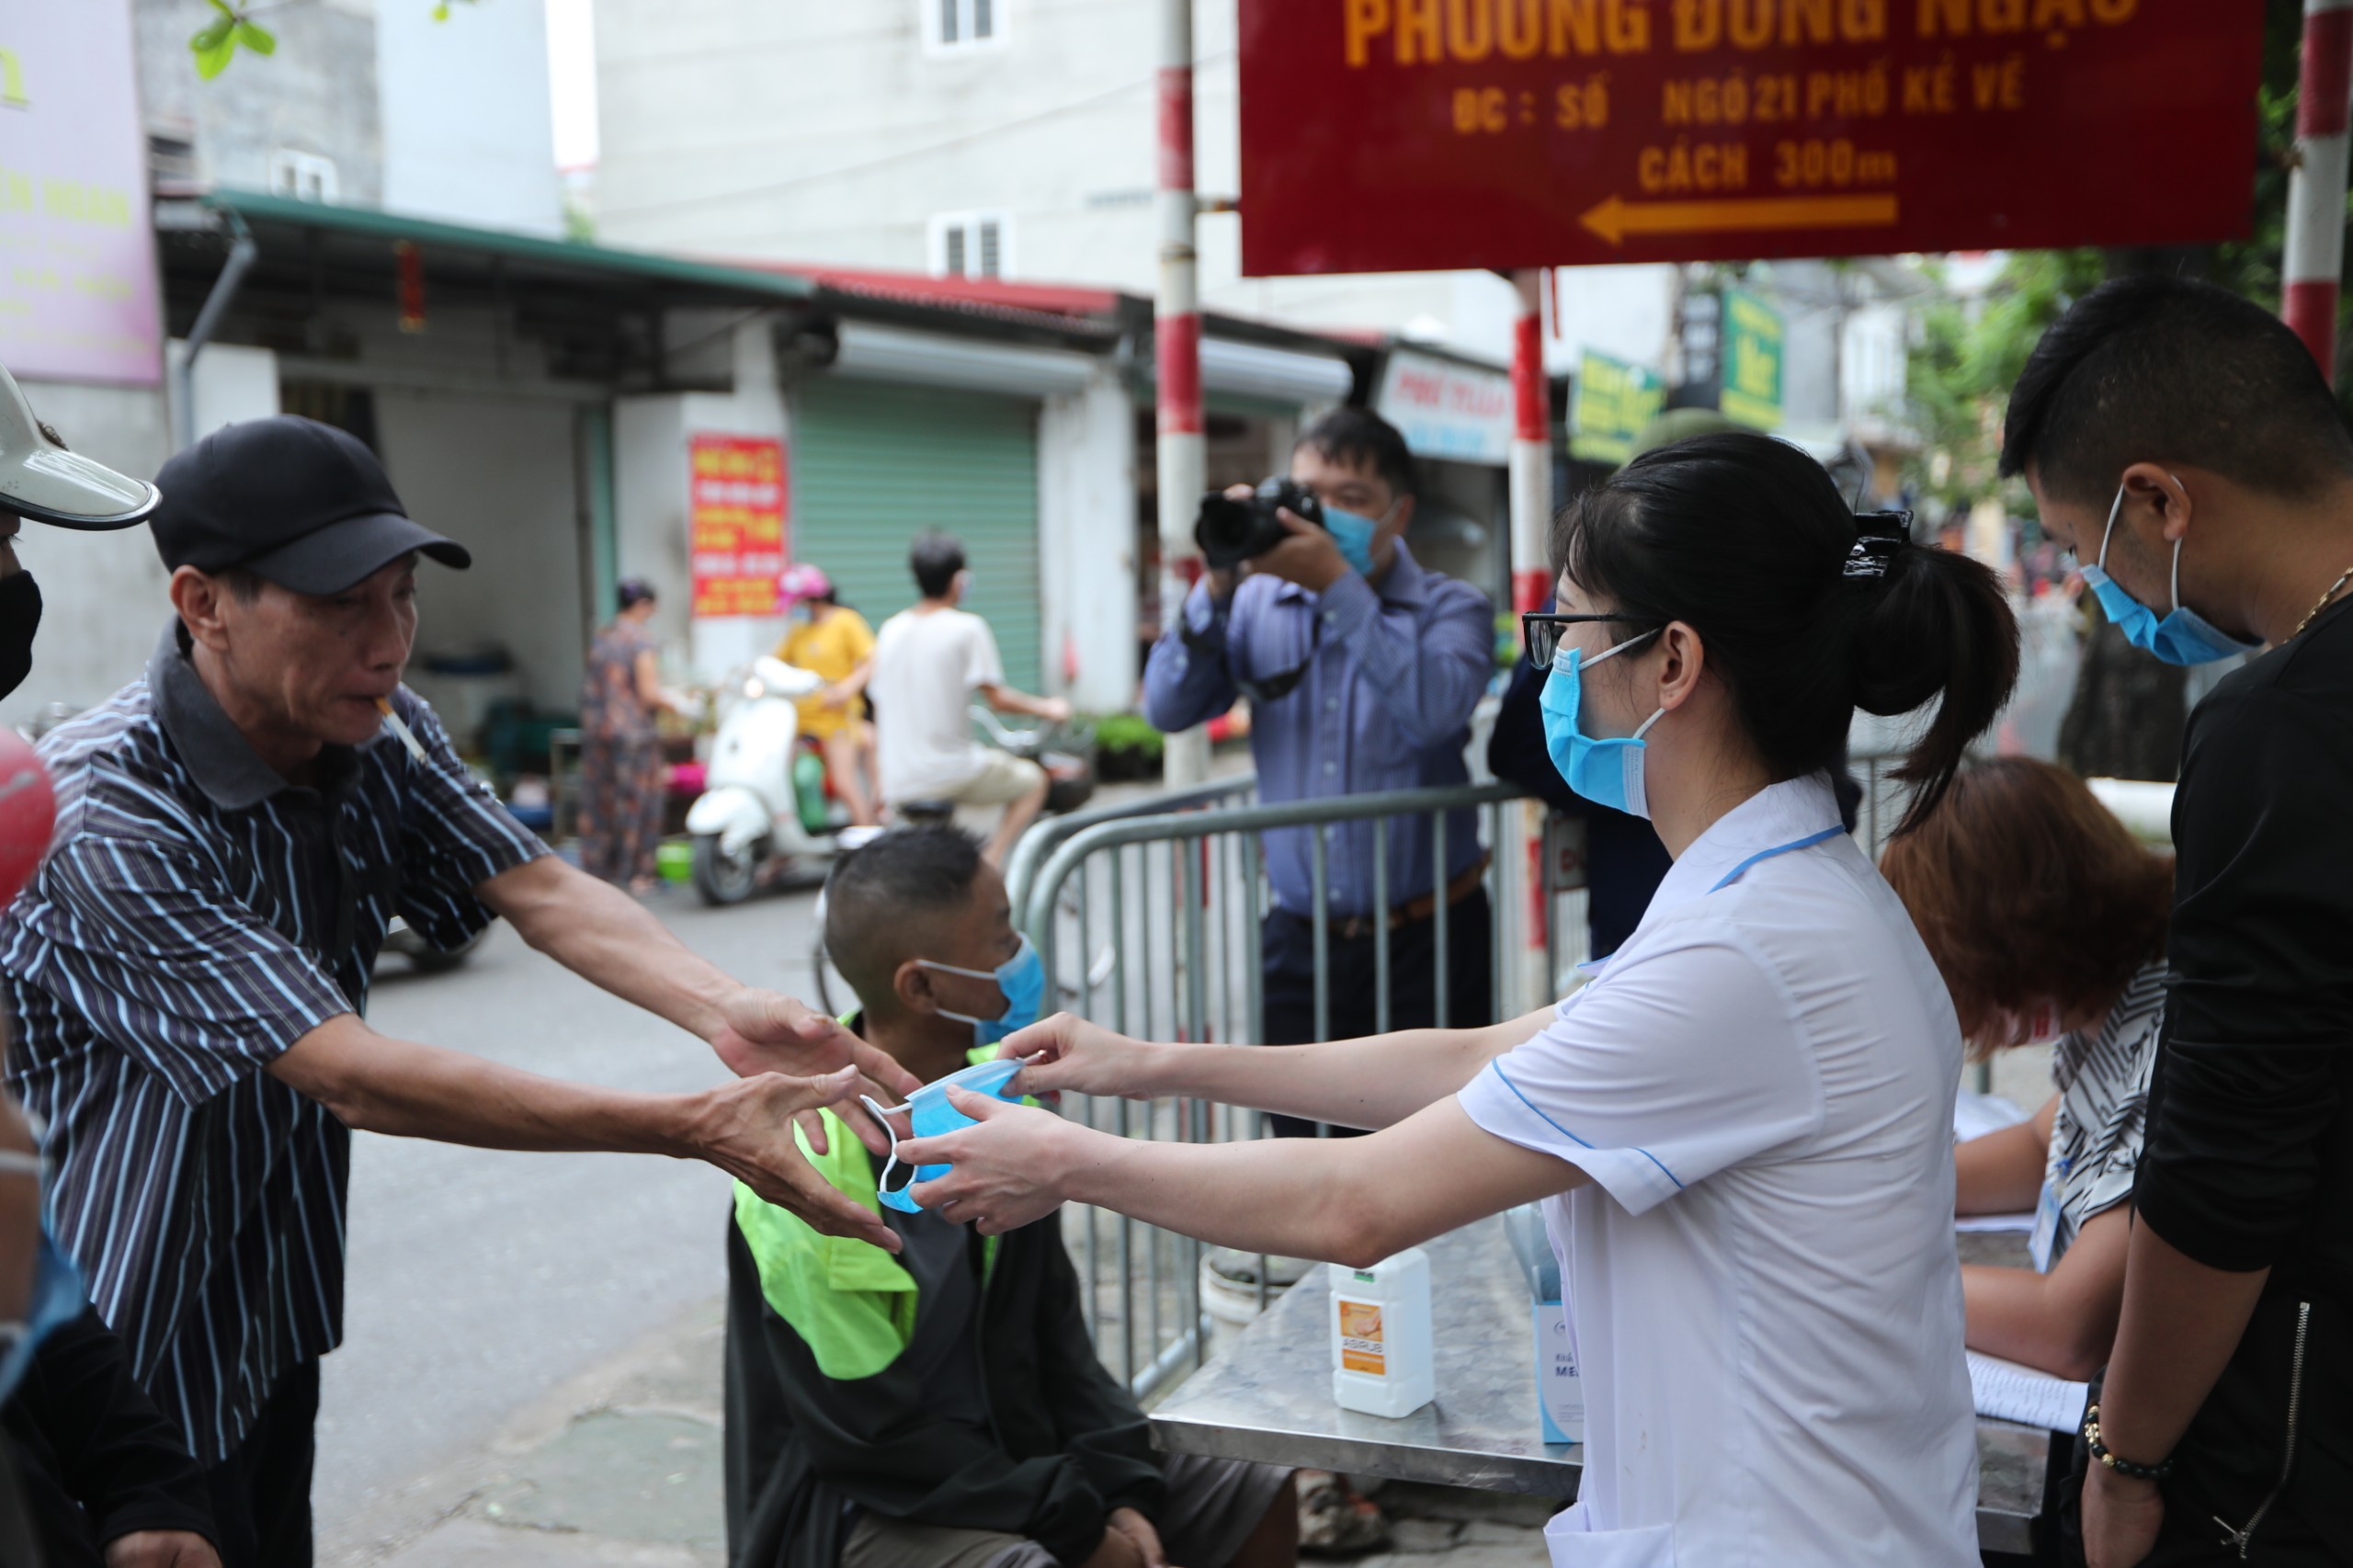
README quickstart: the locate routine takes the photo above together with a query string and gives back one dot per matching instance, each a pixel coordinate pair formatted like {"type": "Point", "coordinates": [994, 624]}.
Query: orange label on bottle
{"type": "Point", "coordinates": [1361, 1347]}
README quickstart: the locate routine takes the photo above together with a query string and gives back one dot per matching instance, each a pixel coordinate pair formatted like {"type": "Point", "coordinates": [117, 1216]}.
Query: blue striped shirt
{"type": "Point", "coordinates": [197, 915]}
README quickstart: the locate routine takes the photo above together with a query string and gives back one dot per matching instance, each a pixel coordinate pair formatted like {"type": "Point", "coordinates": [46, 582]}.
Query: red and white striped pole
{"type": "Point", "coordinates": [1531, 564]}
{"type": "Point", "coordinates": [1176, 351]}
{"type": "Point", "coordinates": [2315, 249]}
{"type": "Point", "coordinates": [1531, 446]}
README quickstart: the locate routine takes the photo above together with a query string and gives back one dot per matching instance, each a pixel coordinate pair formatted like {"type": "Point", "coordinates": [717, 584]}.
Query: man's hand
{"type": "Point", "coordinates": [835, 696]}
{"type": "Point", "coordinates": [1055, 710]}
{"type": "Point", "coordinates": [746, 1129]}
{"type": "Point", "coordinates": [1077, 1056]}
{"type": "Point", "coordinates": [1309, 557]}
{"type": "Point", "coordinates": [162, 1549]}
{"type": "Point", "coordinates": [1139, 1530]}
{"type": "Point", "coordinates": [2121, 1517]}
{"type": "Point", "coordinates": [768, 1032]}
{"type": "Point", "coordinates": [1009, 1170]}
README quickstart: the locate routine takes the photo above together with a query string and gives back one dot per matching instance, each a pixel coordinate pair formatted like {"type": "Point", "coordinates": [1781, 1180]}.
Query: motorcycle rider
{"type": "Point", "coordinates": [827, 638]}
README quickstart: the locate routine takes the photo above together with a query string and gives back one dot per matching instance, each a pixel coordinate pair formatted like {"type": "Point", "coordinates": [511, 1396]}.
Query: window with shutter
{"type": "Point", "coordinates": [972, 244]}
{"type": "Point", "coordinates": [958, 26]}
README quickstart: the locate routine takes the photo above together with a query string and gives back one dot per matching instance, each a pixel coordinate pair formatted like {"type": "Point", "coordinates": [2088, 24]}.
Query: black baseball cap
{"type": "Point", "coordinates": [295, 501]}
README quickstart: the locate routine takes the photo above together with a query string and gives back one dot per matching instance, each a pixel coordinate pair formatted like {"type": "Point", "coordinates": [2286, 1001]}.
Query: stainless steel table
{"type": "Point", "coordinates": [1268, 1396]}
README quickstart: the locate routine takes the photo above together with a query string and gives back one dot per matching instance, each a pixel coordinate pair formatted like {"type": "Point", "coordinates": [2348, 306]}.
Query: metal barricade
{"type": "Point", "coordinates": [1163, 911]}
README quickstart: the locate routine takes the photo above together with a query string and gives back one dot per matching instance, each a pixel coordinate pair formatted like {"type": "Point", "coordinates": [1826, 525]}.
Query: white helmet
{"type": "Point", "coordinates": [41, 480]}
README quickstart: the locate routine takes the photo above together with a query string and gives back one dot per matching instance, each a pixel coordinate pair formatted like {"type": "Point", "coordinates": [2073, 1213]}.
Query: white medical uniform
{"type": "Point", "coordinates": [1766, 1300]}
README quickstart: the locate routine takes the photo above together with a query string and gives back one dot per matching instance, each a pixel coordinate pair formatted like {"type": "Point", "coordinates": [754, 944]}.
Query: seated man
{"type": "Point", "coordinates": [927, 663]}
{"type": "Point", "coordinates": [944, 1408]}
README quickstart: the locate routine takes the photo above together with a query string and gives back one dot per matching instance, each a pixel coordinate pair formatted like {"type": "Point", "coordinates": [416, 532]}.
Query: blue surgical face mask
{"type": "Point", "coordinates": [1022, 978]}
{"type": "Point", "coordinates": [931, 1115]}
{"type": "Point", "coordinates": [1354, 534]}
{"type": "Point", "coordinates": [1609, 773]}
{"type": "Point", "coordinates": [2183, 636]}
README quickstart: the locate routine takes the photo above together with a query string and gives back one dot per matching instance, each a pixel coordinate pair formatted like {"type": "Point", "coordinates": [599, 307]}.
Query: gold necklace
{"type": "Point", "coordinates": [2323, 605]}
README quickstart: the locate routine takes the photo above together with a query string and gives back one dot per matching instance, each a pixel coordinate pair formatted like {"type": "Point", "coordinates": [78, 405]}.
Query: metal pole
{"type": "Point", "coordinates": [1177, 349]}
{"type": "Point", "coordinates": [2316, 247]}
{"type": "Point", "coordinates": [243, 253]}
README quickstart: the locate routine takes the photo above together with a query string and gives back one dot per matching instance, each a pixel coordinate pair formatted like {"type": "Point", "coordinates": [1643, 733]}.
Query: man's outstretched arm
{"type": "Point", "coordinates": [607, 938]}
{"type": "Point", "coordinates": [377, 1084]}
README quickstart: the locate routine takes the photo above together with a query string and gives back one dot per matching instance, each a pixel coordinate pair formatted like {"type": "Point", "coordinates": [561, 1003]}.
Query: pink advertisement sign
{"type": "Point", "coordinates": [78, 298]}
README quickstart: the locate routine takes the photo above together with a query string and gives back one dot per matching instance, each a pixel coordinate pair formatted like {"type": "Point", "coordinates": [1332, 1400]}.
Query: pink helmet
{"type": "Point", "coordinates": [802, 581]}
{"type": "Point", "coordinates": [27, 813]}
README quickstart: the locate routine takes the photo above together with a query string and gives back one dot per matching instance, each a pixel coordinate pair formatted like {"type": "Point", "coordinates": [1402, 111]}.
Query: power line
{"type": "Point", "coordinates": [928, 148]}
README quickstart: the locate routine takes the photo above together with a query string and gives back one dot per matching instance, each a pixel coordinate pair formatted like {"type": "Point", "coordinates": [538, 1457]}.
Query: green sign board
{"type": "Point", "coordinates": [1752, 361]}
{"type": "Point", "coordinates": [1615, 399]}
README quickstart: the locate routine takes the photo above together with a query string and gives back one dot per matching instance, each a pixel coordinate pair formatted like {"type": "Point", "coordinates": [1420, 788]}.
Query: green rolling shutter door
{"type": "Point", "coordinates": [875, 464]}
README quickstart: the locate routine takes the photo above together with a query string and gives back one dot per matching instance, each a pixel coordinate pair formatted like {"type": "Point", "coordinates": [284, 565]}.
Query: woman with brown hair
{"type": "Point", "coordinates": [2048, 919]}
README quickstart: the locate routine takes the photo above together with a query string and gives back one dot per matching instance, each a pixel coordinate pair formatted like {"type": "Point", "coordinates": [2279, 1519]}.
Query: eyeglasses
{"type": "Point", "coordinates": [1541, 632]}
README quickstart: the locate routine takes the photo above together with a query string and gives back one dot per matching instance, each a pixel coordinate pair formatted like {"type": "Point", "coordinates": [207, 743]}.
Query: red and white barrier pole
{"type": "Point", "coordinates": [1176, 352]}
{"type": "Point", "coordinates": [1531, 564]}
{"type": "Point", "coordinates": [1531, 446]}
{"type": "Point", "coordinates": [2315, 248]}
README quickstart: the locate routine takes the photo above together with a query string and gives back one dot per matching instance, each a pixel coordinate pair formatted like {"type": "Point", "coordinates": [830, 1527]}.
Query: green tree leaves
{"type": "Point", "coordinates": [232, 27]}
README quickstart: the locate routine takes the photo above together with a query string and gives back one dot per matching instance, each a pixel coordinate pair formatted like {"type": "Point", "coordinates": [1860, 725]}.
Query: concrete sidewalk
{"type": "Point", "coordinates": [620, 1468]}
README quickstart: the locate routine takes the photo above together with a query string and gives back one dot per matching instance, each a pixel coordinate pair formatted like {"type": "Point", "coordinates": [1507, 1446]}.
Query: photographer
{"type": "Point", "coordinates": [1362, 667]}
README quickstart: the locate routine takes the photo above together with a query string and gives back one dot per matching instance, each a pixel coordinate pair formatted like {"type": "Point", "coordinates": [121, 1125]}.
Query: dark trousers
{"type": "Point", "coordinates": [261, 1493]}
{"type": "Point", "coordinates": [1349, 981]}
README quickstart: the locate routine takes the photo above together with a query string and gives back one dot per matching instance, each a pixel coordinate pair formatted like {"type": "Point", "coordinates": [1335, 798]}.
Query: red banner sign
{"type": "Point", "coordinates": [1404, 135]}
{"type": "Point", "coordinates": [736, 516]}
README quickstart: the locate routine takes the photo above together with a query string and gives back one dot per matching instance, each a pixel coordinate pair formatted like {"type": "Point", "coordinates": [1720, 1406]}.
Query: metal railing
{"type": "Point", "coordinates": [1165, 910]}
{"type": "Point", "coordinates": [1150, 913]}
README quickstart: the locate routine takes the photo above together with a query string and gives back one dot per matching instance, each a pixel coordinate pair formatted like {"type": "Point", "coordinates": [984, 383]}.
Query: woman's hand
{"type": "Point", "coordinates": [1080, 1058]}
{"type": "Point", "coordinates": [1009, 1169]}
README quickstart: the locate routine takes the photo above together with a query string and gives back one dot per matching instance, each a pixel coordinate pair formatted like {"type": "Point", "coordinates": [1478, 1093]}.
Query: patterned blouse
{"type": "Point", "coordinates": [2095, 1134]}
{"type": "Point", "coordinates": [609, 707]}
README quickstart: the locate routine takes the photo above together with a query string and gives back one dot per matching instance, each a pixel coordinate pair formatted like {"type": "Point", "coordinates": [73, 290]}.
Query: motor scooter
{"type": "Point", "coordinates": [763, 809]}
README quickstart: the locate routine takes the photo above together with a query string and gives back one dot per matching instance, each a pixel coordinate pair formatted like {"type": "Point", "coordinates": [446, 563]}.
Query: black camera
{"type": "Point", "coordinates": [1231, 531]}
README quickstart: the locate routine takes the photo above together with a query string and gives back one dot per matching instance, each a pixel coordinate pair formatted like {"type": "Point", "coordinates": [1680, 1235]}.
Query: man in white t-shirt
{"type": "Point", "coordinates": [927, 663]}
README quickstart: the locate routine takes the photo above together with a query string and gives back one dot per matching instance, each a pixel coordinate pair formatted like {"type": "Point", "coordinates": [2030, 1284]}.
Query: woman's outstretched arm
{"type": "Point", "coordinates": [1374, 1081]}
{"type": "Point", "coordinates": [1348, 1200]}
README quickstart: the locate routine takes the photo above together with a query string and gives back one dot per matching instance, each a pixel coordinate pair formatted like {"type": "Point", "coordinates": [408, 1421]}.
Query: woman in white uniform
{"type": "Point", "coordinates": [1742, 1128]}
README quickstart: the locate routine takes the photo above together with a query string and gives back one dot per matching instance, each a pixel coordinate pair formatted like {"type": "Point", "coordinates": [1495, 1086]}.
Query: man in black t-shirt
{"type": "Point", "coordinates": [2182, 442]}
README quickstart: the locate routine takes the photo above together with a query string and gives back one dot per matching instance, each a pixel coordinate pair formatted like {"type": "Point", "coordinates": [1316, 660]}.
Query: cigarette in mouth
{"type": "Point", "coordinates": [392, 723]}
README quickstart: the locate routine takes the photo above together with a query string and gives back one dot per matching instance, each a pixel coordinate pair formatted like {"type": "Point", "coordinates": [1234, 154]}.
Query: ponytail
{"type": "Point", "coordinates": [1804, 617]}
{"type": "Point", "coordinates": [1939, 627]}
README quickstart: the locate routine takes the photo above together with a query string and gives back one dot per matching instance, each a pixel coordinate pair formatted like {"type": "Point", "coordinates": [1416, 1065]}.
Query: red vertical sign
{"type": "Point", "coordinates": [737, 518]}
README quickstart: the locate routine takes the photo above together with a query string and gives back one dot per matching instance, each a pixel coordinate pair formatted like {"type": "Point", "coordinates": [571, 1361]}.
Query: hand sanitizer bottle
{"type": "Point", "coordinates": [1383, 1353]}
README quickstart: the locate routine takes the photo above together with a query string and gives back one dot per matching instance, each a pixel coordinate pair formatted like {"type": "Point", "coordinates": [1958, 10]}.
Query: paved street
{"type": "Point", "coordinates": [481, 1281]}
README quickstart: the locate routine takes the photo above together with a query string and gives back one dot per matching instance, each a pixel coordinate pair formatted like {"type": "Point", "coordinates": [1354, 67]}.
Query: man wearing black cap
{"type": "Point", "coordinates": [186, 974]}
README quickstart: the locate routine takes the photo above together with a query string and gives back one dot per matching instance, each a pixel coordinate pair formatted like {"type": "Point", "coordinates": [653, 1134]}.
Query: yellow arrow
{"type": "Point", "coordinates": [1614, 219]}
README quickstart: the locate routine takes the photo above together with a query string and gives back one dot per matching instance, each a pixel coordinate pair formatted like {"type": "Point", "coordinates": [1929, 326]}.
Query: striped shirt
{"type": "Point", "coordinates": [197, 915]}
{"type": "Point", "coordinates": [2103, 1081]}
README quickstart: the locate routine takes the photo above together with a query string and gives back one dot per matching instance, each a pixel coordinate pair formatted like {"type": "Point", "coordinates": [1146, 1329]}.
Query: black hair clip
{"type": "Point", "coordinates": [1878, 537]}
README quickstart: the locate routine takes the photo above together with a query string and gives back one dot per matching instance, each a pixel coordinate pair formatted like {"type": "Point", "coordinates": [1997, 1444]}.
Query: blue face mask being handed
{"type": "Point", "coordinates": [1608, 772]}
{"type": "Point", "coordinates": [56, 1300]}
{"type": "Point", "coordinates": [1354, 533]}
{"type": "Point", "coordinates": [2183, 637]}
{"type": "Point", "coordinates": [1022, 978]}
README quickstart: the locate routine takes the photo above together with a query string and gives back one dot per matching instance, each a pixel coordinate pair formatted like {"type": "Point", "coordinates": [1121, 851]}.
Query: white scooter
{"type": "Point", "coordinates": [749, 818]}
